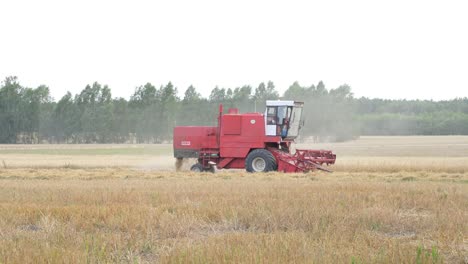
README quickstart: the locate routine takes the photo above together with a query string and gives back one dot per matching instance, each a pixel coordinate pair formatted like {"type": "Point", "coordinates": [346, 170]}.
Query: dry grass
{"type": "Point", "coordinates": [397, 164]}
{"type": "Point", "coordinates": [129, 206]}
{"type": "Point", "coordinates": [124, 215]}
{"type": "Point", "coordinates": [165, 163]}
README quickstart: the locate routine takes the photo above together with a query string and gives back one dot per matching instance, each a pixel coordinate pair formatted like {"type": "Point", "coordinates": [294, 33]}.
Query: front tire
{"type": "Point", "coordinates": [197, 167]}
{"type": "Point", "coordinates": [260, 160]}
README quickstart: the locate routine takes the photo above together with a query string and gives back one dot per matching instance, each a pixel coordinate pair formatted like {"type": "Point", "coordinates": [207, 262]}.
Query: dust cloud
{"type": "Point", "coordinates": [178, 164]}
{"type": "Point", "coordinates": [165, 163]}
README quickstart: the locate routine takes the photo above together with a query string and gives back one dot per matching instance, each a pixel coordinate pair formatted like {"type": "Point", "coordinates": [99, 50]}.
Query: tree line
{"type": "Point", "coordinates": [30, 115]}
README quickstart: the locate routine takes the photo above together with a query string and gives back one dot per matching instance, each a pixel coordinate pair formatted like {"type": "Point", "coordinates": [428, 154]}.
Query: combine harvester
{"type": "Point", "coordinates": [254, 141]}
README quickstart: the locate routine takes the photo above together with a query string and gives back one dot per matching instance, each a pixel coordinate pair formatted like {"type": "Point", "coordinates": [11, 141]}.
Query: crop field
{"type": "Point", "coordinates": [390, 200]}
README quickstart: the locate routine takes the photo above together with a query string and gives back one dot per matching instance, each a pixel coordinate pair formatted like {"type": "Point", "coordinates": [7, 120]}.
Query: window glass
{"type": "Point", "coordinates": [271, 115]}
{"type": "Point", "coordinates": [271, 120]}
{"type": "Point", "coordinates": [271, 111]}
{"type": "Point", "coordinates": [281, 114]}
{"type": "Point", "coordinates": [295, 122]}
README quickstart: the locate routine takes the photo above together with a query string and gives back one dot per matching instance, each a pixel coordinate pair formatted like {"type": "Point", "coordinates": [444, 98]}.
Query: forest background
{"type": "Point", "coordinates": [31, 115]}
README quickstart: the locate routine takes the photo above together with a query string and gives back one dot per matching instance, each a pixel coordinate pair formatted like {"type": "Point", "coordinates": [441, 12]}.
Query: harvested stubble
{"type": "Point", "coordinates": [124, 215]}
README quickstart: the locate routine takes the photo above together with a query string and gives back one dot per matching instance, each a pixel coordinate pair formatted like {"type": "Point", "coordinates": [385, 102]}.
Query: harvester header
{"type": "Point", "coordinates": [258, 142]}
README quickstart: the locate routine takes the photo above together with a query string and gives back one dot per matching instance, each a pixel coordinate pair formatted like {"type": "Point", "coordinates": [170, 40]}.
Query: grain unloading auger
{"type": "Point", "coordinates": [254, 141]}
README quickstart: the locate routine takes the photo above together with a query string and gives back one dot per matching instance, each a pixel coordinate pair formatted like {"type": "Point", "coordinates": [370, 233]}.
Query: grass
{"type": "Point", "coordinates": [125, 215]}
{"type": "Point", "coordinates": [129, 207]}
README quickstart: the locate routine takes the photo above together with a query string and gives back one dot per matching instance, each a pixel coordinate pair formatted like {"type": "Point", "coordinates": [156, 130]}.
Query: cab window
{"type": "Point", "coordinates": [281, 114]}
{"type": "Point", "coordinates": [271, 115]}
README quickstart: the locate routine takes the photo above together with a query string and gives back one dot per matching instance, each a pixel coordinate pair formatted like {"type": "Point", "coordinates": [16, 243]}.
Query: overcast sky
{"type": "Point", "coordinates": [387, 49]}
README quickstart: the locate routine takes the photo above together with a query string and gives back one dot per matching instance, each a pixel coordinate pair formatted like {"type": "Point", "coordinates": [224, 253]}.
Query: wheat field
{"type": "Point", "coordinates": [390, 200]}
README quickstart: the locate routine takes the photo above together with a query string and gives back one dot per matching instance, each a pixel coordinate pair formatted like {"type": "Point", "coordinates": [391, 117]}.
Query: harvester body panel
{"type": "Point", "coordinates": [242, 132]}
{"type": "Point", "coordinates": [189, 140]}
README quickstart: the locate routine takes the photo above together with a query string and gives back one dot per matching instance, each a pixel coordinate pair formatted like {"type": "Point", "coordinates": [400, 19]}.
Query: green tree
{"type": "Point", "coordinates": [145, 107]}
{"type": "Point", "coordinates": [264, 93]}
{"type": "Point", "coordinates": [66, 119]}
{"type": "Point", "coordinates": [10, 110]}
{"type": "Point", "coordinates": [295, 92]}
{"type": "Point", "coordinates": [217, 95]}
{"type": "Point", "coordinates": [95, 104]}
{"type": "Point", "coordinates": [191, 95]}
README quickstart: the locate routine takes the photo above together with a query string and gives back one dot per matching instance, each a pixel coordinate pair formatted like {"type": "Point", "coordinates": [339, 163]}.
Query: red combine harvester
{"type": "Point", "coordinates": [254, 141]}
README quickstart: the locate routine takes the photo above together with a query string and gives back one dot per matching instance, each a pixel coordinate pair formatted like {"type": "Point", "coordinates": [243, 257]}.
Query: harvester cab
{"type": "Point", "coordinates": [283, 118]}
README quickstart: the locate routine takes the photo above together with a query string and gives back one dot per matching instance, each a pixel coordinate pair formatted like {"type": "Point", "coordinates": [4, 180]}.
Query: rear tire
{"type": "Point", "coordinates": [260, 160]}
{"type": "Point", "coordinates": [197, 167]}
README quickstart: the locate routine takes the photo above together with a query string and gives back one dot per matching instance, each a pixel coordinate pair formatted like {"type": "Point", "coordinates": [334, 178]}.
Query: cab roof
{"type": "Point", "coordinates": [279, 103]}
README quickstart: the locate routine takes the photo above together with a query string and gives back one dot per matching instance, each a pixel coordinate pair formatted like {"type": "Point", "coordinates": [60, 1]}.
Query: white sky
{"type": "Point", "coordinates": [387, 49]}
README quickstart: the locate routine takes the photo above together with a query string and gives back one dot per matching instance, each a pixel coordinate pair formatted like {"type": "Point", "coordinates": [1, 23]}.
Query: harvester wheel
{"type": "Point", "coordinates": [197, 167]}
{"type": "Point", "coordinates": [260, 160]}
